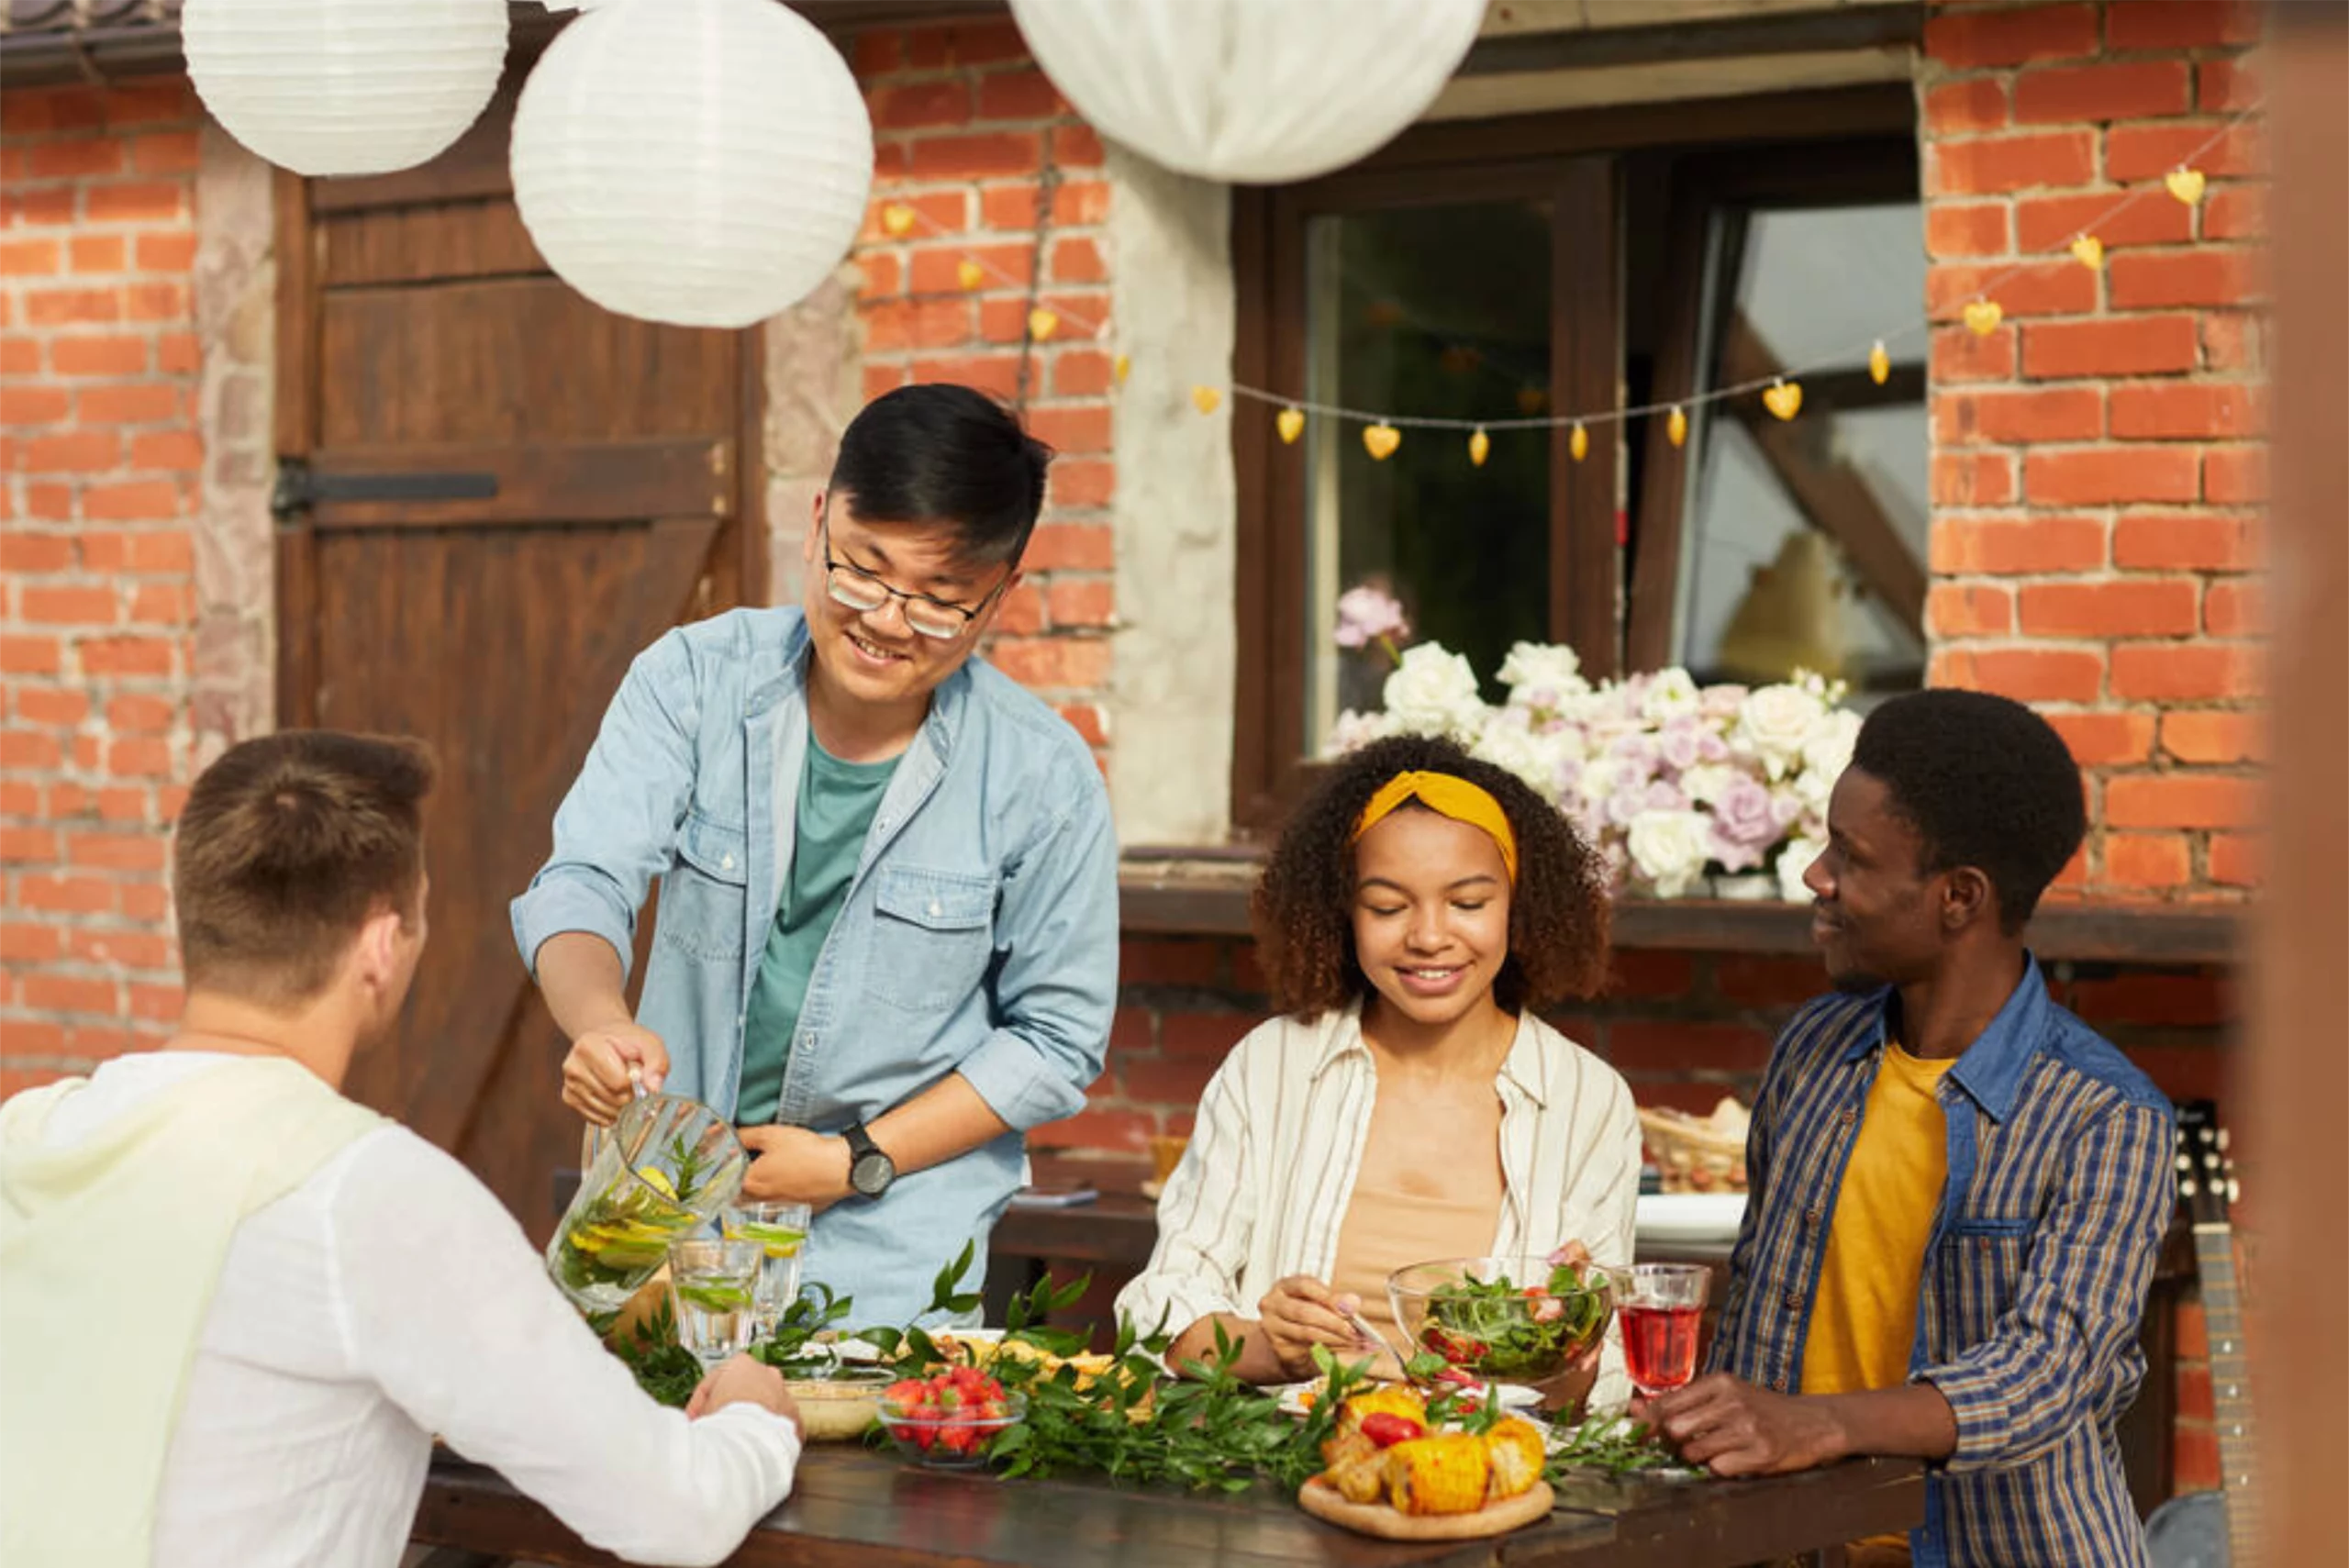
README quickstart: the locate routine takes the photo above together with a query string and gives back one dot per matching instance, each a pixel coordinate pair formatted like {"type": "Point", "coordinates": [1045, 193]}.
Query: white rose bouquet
{"type": "Point", "coordinates": [1675, 782]}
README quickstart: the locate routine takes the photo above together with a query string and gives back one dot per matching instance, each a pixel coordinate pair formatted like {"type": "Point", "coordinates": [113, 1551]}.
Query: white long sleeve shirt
{"type": "Point", "coordinates": [388, 1298]}
{"type": "Point", "coordinates": [1263, 1190]}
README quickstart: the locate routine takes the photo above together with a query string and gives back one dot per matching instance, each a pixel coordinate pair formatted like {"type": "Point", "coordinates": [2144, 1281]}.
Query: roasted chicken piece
{"type": "Point", "coordinates": [1515, 1453]}
{"type": "Point", "coordinates": [1355, 1466]}
{"type": "Point", "coordinates": [1445, 1473]}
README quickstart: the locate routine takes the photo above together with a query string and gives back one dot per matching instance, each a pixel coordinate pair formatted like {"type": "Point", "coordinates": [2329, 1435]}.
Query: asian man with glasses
{"type": "Point", "coordinates": [886, 940]}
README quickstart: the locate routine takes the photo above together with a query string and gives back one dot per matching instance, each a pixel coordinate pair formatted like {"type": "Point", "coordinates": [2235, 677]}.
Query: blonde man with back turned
{"type": "Point", "coordinates": [236, 1307]}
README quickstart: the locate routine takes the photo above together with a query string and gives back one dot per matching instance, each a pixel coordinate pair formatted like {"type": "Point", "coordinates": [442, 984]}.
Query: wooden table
{"type": "Point", "coordinates": [854, 1508]}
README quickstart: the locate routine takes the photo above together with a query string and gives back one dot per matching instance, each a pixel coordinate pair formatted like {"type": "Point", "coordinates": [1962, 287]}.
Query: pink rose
{"type": "Point", "coordinates": [1676, 747]}
{"type": "Point", "coordinates": [1366, 615]}
{"type": "Point", "coordinates": [1746, 816]}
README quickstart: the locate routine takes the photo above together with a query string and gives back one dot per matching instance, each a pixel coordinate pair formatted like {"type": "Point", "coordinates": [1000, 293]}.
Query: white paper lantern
{"type": "Point", "coordinates": [704, 162]}
{"type": "Point", "coordinates": [345, 86]}
{"type": "Point", "coordinates": [1259, 92]}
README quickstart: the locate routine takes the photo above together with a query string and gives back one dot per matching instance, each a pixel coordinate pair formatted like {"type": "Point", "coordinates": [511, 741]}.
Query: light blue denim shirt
{"type": "Point", "coordinates": [980, 934]}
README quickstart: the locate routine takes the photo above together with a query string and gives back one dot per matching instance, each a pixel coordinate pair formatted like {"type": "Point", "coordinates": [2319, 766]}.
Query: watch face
{"type": "Point", "coordinates": [871, 1173]}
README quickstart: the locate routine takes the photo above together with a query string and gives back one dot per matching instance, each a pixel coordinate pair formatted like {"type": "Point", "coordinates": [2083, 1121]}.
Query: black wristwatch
{"type": "Point", "coordinates": [870, 1171]}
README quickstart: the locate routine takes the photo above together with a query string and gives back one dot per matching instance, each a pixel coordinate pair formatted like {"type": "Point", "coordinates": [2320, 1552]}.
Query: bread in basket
{"type": "Point", "coordinates": [1697, 1154]}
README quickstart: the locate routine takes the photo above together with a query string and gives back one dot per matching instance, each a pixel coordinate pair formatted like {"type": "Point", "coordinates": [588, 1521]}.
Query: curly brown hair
{"type": "Point", "coordinates": [1303, 905]}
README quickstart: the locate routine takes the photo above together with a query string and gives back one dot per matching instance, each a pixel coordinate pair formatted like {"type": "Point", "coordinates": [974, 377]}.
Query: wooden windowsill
{"type": "Point", "coordinates": [1204, 893]}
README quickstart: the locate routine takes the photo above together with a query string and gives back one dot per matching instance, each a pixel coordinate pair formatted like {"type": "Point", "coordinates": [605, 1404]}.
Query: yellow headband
{"type": "Point", "coordinates": [1447, 797]}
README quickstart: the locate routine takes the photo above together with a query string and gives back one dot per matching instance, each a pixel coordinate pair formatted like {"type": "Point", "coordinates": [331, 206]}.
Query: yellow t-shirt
{"type": "Point", "coordinates": [1865, 1320]}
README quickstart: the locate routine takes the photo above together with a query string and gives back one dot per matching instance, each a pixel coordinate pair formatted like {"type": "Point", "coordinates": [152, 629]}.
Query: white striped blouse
{"type": "Point", "coordinates": [1262, 1193]}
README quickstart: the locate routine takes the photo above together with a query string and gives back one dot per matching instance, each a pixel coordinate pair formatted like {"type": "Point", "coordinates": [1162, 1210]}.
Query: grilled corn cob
{"type": "Point", "coordinates": [1441, 1475]}
{"type": "Point", "coordinates": [1515, 1452]}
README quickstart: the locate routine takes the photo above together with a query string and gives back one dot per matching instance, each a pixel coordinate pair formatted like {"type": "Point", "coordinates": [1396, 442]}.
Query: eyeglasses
{"type": "Point", "coordinates": [852, 587]}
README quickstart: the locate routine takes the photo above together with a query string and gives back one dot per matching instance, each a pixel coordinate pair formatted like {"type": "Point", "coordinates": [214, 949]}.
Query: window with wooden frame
{"type": "Point", "coordinates": [1581, 263]}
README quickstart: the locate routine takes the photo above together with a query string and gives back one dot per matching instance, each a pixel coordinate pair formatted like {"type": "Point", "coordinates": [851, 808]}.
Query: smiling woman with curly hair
{"type": "Point", "coordinates": [1303, 904]}
{"type": "Point", "coordinates": [1407, 1105]}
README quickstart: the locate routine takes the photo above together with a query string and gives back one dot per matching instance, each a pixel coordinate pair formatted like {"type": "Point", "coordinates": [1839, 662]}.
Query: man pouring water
{"type": "Point", "coordinates": [886, 938]}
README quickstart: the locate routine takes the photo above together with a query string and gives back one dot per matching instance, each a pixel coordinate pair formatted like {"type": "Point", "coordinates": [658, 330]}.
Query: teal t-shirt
{"type": "Point", "coordinates": [837, 801]}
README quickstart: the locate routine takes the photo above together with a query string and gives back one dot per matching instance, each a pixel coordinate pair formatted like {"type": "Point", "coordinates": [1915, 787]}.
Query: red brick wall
{"type": "Point", "coordinates": [2099, 460]}
{"type": "Point", "coordinates": [963, 124]}
{"type": "Point", "coordinates": [99, 445]}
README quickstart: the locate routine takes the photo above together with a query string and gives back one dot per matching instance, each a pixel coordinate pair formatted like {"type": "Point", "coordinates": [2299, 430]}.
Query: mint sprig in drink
{"type": "Point", "coordinates": [714, 1286]}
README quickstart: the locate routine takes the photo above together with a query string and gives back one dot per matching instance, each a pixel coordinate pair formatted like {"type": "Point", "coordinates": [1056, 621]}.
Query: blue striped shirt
{"type": "Point", "coordinates": [2060, 1189]}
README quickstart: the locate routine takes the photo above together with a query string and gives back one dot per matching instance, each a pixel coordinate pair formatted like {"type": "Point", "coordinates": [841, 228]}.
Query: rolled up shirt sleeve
{"type": "Point", "coordinates": [618, 826]}
{"type": "Point", "coordinates": [1057, 985]}
{"type": "Point", "coordinates": [2081, 1298]}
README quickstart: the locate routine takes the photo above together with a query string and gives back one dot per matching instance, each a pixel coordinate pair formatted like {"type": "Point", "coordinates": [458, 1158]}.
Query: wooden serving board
{"type": "Point", "coordinates": [1323, 1502]}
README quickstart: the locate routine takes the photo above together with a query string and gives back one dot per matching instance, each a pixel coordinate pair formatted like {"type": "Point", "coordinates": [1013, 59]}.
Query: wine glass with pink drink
{"type": "Point", "coordinates": [1661, 1306]}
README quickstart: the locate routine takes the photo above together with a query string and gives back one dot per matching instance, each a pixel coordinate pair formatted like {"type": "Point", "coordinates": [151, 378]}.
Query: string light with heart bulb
{"type": "Point", "coordinates": [1780, 391]}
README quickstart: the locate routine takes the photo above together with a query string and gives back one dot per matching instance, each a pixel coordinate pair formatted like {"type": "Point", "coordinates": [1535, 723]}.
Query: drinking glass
{"type": "Point", "coordinates": [714, 1286]}
{"type": "Point", "coordinates": [780, 1230]}
{"type": "Point", "coordinates": [1661, 1306]}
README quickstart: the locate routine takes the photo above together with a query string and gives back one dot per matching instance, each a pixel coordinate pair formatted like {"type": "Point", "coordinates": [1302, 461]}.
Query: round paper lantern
{"type": "Point", "coordinates": [345, 86]}
{"type": "Point", "coordinates": [704, 162]}
{"type": "Point", "coordinates": [1260, 91]}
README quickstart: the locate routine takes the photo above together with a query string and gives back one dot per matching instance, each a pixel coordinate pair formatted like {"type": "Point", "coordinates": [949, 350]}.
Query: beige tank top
{"type": "Point", "coordinates": [1385, 1229]}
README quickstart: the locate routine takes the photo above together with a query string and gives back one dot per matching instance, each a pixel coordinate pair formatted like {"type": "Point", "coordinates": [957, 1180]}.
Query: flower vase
{"type": "Point", "coordinates": [1745, 886]}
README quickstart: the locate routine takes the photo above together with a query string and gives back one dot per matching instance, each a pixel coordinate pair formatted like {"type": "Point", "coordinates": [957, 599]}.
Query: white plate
{"type": "Point", "coordinates": [1690, 1216]}
{"type": "Point", "coordinates": [853, 1352]}
{"type": "Point", "coordinates": [1293, 1394]}
{"type": "Point", "coordinates": [1519, 1398]}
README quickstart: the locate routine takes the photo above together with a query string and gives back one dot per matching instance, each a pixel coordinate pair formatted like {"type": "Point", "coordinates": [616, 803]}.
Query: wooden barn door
{"type": "Point", "coordinates": [492, 493]}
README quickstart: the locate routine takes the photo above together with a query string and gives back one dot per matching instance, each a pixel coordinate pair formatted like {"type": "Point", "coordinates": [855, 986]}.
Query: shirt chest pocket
{"type": "Point", "coordinates": [933, 938]}
{"type": "Point", "coordinates": [702, 897]}
{"type": "Point", "coordinates": [1980, 1270]}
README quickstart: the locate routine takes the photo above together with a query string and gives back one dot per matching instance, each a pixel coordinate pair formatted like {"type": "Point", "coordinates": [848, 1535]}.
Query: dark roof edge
{"type": "Point", "coordinates": [96, 56]}
{"type": "Point", "coordinates": [53, 56]}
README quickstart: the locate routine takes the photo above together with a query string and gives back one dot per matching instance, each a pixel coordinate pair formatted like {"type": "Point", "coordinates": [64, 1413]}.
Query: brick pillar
{"type": "Point", "coordinates": [963, 122]}
{"type": "Point", "coordinates": [99, 378]}
{"type": "Point", "coordinates": [2097, 460]}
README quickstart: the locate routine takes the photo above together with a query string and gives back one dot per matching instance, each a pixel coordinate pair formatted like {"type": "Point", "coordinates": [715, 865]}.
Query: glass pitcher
{"type": "Point", "coordinates": [663, 1172]}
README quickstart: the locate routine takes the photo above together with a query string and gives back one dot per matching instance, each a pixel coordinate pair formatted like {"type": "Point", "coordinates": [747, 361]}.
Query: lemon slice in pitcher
{"type": "Point", "coordinates": [656, 1178]}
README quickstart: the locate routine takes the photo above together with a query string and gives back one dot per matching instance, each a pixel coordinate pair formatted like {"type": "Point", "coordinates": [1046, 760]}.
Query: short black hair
{"type": "Point", "coordinates": [1303, 908]}
{"type": "Point", "coordinates": [945, 453]}
{"type": "Point", "coordinates": [1986, 782]}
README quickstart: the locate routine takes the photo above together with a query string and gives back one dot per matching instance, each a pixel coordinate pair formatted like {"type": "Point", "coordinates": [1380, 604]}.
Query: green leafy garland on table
{"type": "Point", "coordinates": [1207, 1430]}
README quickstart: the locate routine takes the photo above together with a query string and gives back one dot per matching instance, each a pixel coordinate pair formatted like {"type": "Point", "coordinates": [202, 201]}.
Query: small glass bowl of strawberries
{"type": "Point", "coordinates": [949, 1420]}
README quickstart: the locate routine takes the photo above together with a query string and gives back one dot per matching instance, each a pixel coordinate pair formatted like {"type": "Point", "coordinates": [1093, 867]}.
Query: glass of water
{"type": "Point", "coordinates": [780, 1229]}
{"type": "Point", "coordinates": [713, 1286]}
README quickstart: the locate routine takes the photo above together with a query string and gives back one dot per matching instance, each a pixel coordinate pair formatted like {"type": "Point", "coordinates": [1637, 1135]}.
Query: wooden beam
{"type": "Point", "coordinates": [1586, 367]}
{"type": "Point", "coordinates": [1830, 115]}
{"type": "Point", "coordinates": [1828, 489]}
{"type": "Point", "coordinates": [2298, 1075]}
{"type": "Point", "coordinates": [1209, 898]}
{"type": "Point", "coordinates": [1591, 49]}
